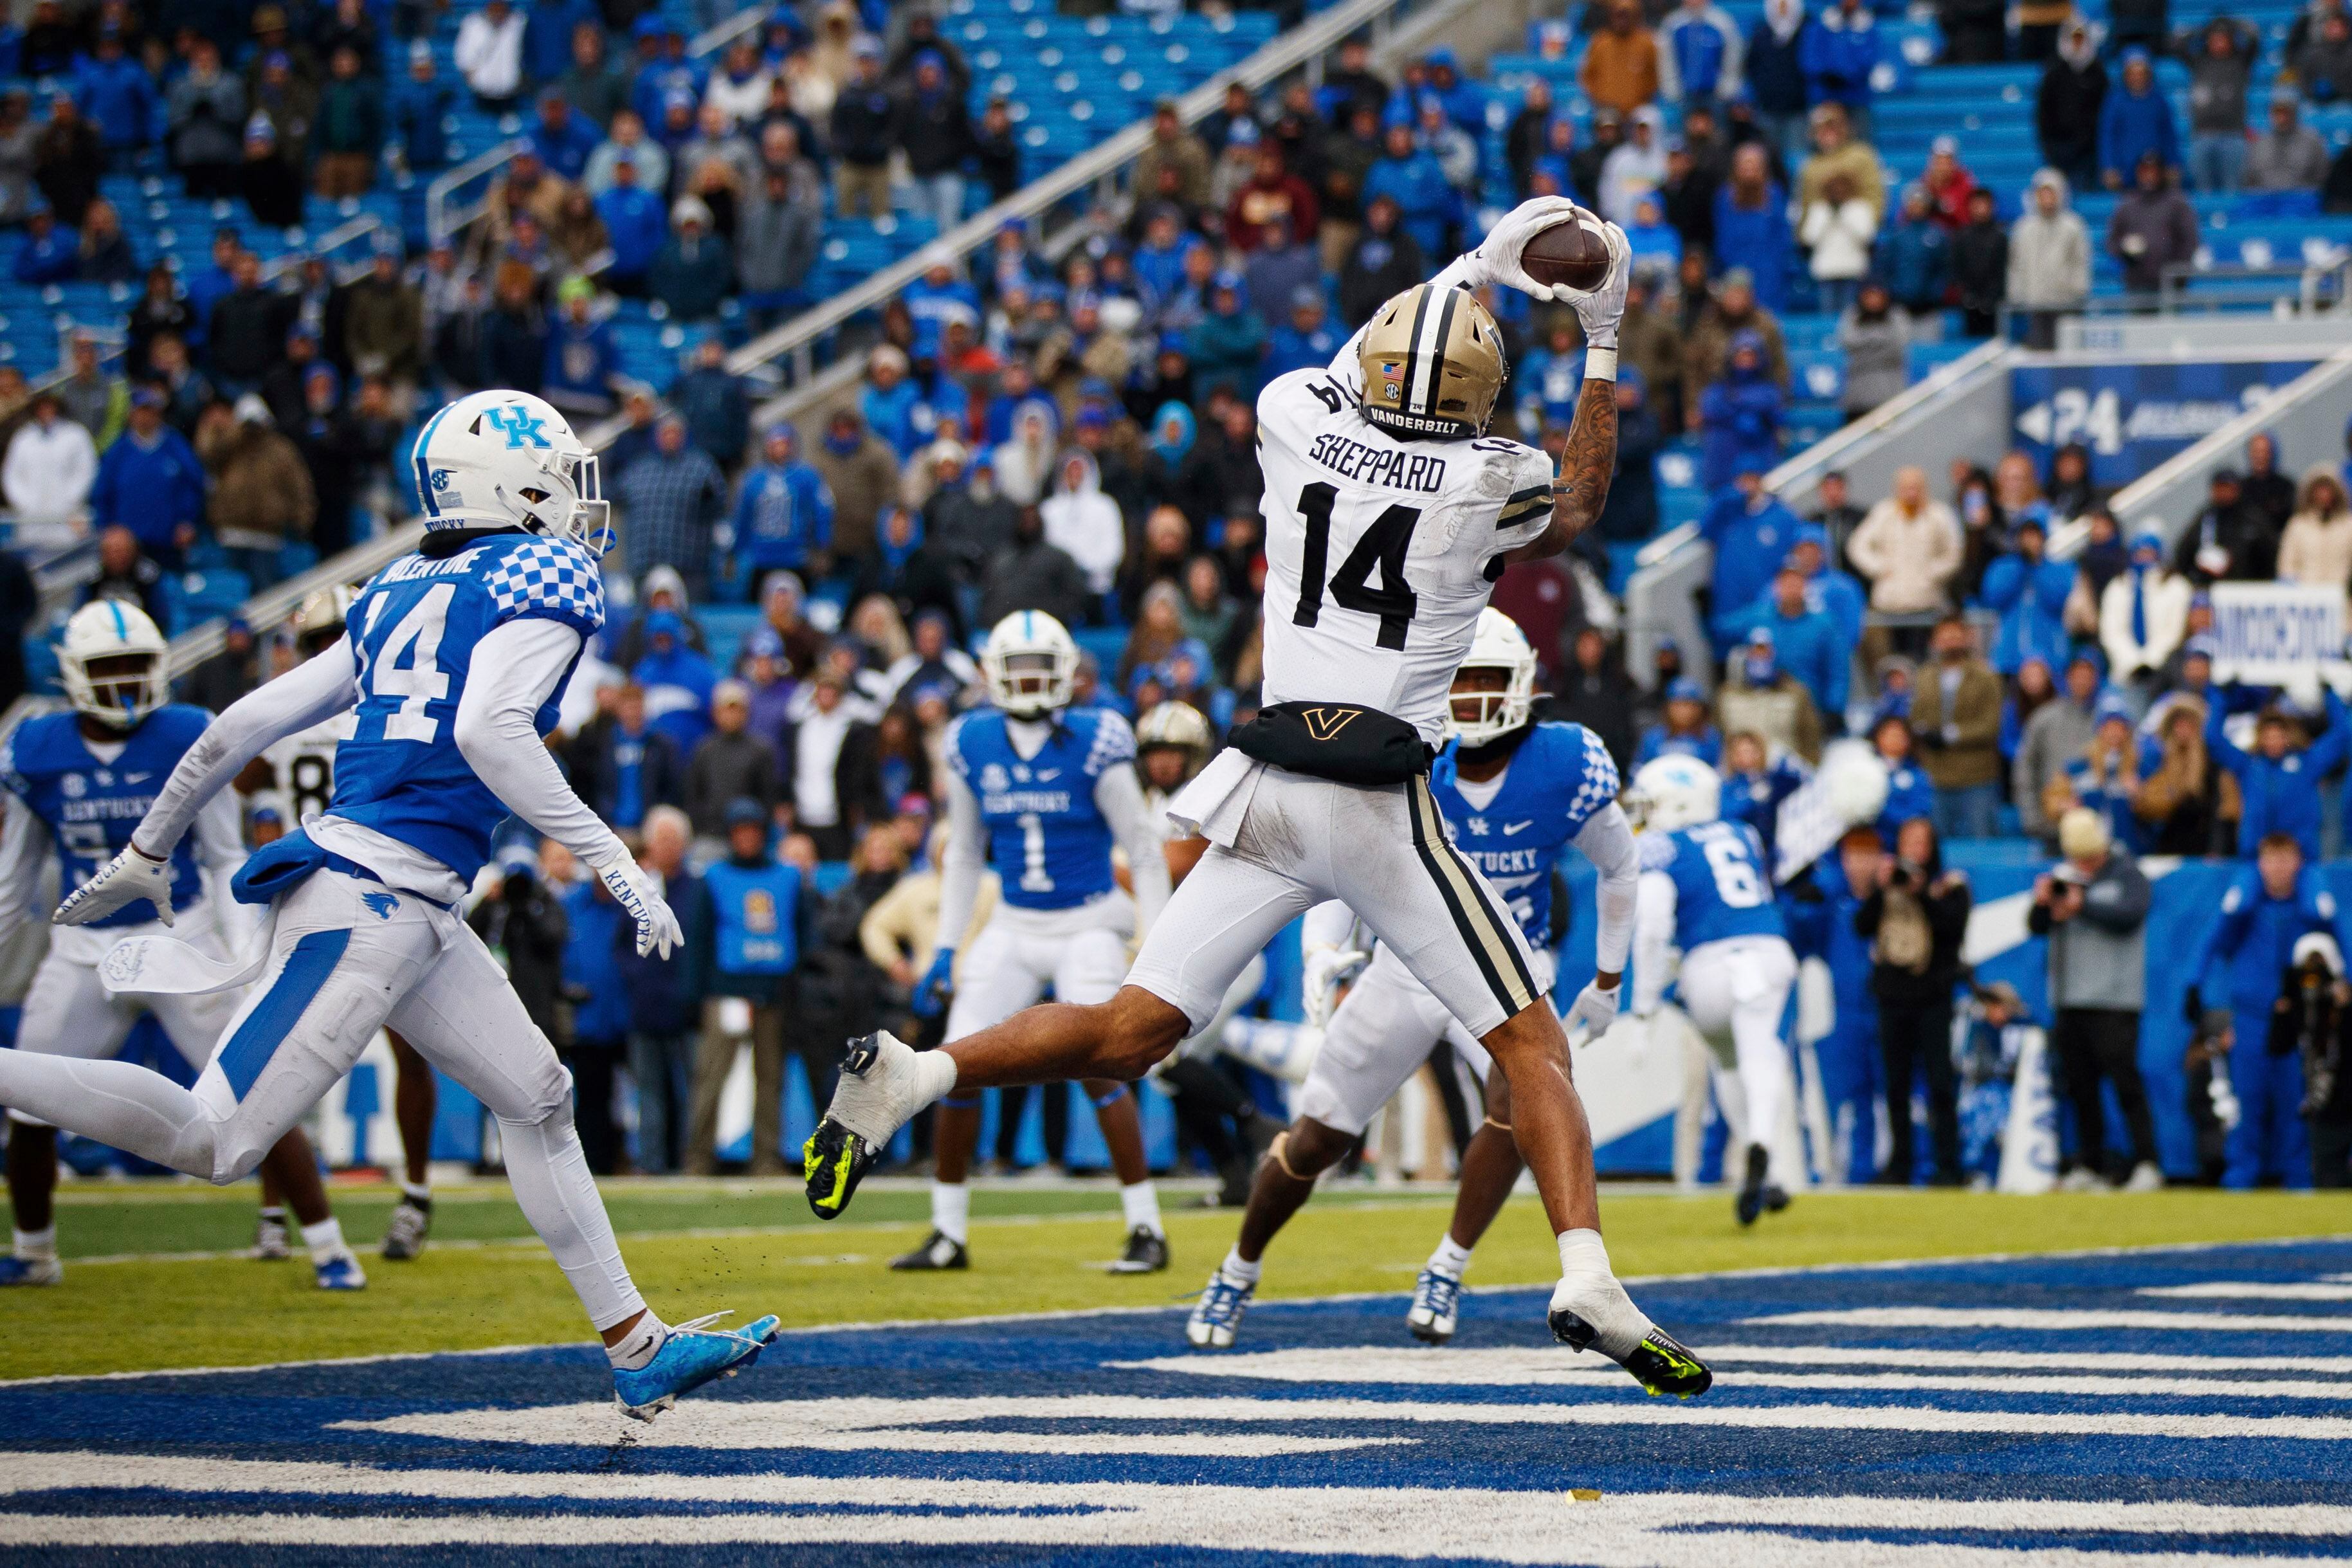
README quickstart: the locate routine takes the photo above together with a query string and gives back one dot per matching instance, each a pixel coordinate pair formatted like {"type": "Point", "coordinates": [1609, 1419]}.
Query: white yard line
{"type": "Point", "coordinates": [2060, 1319]}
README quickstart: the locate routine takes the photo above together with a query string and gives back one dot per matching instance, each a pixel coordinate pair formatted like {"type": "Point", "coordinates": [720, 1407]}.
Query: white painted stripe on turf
{"type": "Point", "coordinates": [2057, 1318]}
{"type": "Point", "coordinates": [1533, 1367]}
{"type": "Point", "coordinates": [1625, 1528]}
{"type": "Point", "coordinates": [925, 1423]}
{"type": "Point", "coordinates": [2253, 1290]}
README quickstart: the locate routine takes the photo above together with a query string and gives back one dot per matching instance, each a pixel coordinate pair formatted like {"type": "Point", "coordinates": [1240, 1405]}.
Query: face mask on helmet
{"type": "Point", "coordinates": [1031, 683]}
{"type": "Point", "coordinates": [117, 688]}
{"type": "Point", "coordinates": [1485, 705]}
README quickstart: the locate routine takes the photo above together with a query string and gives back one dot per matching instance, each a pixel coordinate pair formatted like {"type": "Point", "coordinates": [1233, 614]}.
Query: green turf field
{"type": "Point", "coordinates": [147, 1286]}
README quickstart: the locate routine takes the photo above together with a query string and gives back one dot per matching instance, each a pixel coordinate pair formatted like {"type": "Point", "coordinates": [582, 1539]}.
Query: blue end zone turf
{"type": "Point", "coordinates": [2113, 1408]}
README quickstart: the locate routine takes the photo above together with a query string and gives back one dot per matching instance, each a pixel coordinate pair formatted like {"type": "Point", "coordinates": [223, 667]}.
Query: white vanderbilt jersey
{"type": "Point", "coordinates": [1381, 551]}
{"type": "Point", "coordinates": [302, 770]}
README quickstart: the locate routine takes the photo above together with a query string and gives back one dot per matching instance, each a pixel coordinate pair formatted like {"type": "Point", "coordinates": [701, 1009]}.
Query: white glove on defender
{"type": "Point", "coordinates": [1322, 970]}
{"type": "Point", "coordinates": [1594, 1010]}
{"type": "Point", "coordinates": [633, 888]}
{"type": "Point", "coordinates": [1498, 254]}
{"type": "Point", "coordinates": [124, 880]}
{"type": "Point", "coordinates": [1598, 311]}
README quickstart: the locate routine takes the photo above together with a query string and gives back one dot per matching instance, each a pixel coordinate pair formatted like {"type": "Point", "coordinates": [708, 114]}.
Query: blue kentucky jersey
{"type": "Point", "coordinates": [90, 808]}
{"type": "Point", "coordinates": [1722, 886]}
{"type": "Point", "coordinates": [1047, 837]}
{"type": "Point", "coordinates": [414, 628]}
{"type": "Point", "coordinates": [1558, 778]}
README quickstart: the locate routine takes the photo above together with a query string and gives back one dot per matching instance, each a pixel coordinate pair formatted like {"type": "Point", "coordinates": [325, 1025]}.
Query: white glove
{"type": "Point", "coordinates": [124, 880]}
{"type": "Point", "coordinates": [1322, 970]}
{"type": "Point", "coordinates": [1598, 311]}
{"type": "Point", "coordinates": [1594, 1009]}
{"type": "Point", "coordinates": [633, 888]}
{"type": "Point", "coordinates": [1497, 256]}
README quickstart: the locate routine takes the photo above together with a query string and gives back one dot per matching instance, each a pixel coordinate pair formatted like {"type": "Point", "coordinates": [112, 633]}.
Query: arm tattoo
{"type": "Point", "coordinates": [1585, 469]}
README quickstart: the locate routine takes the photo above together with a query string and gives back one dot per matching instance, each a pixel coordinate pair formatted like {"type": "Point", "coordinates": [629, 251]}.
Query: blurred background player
{"type": "Point", "coordinates": [1041, 790]}
{"type": "Point", "coordinates": [1707, 890]}
{"type": "Point", "coordinates": [453, 657]}
{"type": "Point", "coordinates": [292, 779]}
{"type": "Point", "coordinates": [1514, 794]}
{"type": "Point", "coordinates": [81, 781]}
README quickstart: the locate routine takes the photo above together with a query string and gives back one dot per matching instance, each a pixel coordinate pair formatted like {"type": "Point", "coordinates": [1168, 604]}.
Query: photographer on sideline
{"type": "Point", "coordinates": [1917, 917]}
{"type": "Point", "coordinates": [2094, 907]}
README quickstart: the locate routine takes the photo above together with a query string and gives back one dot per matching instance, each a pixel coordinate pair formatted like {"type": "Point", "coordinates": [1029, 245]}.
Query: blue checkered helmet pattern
{"type": "Point", "coordinates": [552, 578]}
{"type": "Point", "coordinates": [506, 459]}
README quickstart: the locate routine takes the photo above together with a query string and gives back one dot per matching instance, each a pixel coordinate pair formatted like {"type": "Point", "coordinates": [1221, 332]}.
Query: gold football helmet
{"type": "Point", "coordinates": [320, 621]}
{"type": "Point", "coordinates": [1178, 726]}
{"type": "Point", "coordinates": [1433, 363]}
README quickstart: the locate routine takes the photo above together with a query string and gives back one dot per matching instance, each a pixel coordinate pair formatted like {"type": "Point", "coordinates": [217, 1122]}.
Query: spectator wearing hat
{"type": "Point", "coordinates": [269, 177]}
{"type": "Point", "coordinates": [419, 105]}
{"type": "Point", "coordinates": [564, 139]}
{"type": "Point", "coordinates": [635, 224]}
{"type": "Point", "coordinates": [2317, 545]}
{"type": "Point", "coordinates": [282, 385]}
{"type": "Point", "coordinates": [384, 325]}
{"type": "Point", "coordinates": [2028, 591]}
{"type": "Point", "coordinates": [1948, 185]}
{"type": "Point", "coordinates": [779, 222]}
{"type": "Point", "coordinates": [859, 468]}
{"type": "Point", "coordinates": [934, 130]}
{"type": "Point", "coordinates": [2136, 122]}
{"type": "Point", "coordinates": [865, 119]}
{"type": "Point", "coordinates": [1684, 728]}
{"type": "Point", "coordinates": [2105, 777]}
{"type": "Point", "coordinates": [116, 97]}
{"type": "Point", "coordinates": [1429, 207]}
{"type": "Point", "coordinates": [2187, 802]}
{"type": "Point", "coordinates": [49, 254]}
{"type": "Point", "coordinates": [750, 926]}
{"type": "Point", "coordinates": [1917, 917]}
{"type": "Point", "coordinates": [2094, 907]}
{"type": "Point", "coordinates": [204, 111]}
{"type": "Point", "coordinates": [730, 764]}
{"type": "Point", "coordinates": [1730, 308]}
{"type": "Point", "coordinates": [1806, 641]}
{"type": "Point", "coordinates": [2279, 779]}
{"type": "Point", "coordinates": [50, 465]}
{"type": "Point", "coordinates": [1030, 573]}
{"type": "Point", "coordinates": [1956, 712]}
{"type": "Point", "coordinates": [1914, 254]}
{"type": "Point", "coordinates": [1305, 339]}
{"type": "Point", "coordinates": [2143, 616]}
{"type": "Point", "coordinates": [2230, 539]}
{"type": "Point", "coordinates": [1838, 54]}
{"type": "Point", "coordinates": [677, 679]}
{"type": "Point", "coordinates": [2154, 227]}
{"type": "Point", "coordinates": [1749, 530]}
{"type": "Point", "coordinates": [694, 272]}
{"type": "Point", "coordinates": [488, 54]}
{"type": "Point", "coordinates": [783, 512]}
{"type": "Point", "coordinates": [583, 362]}
{"type": "Point", "coordinates": [2220, 58]}
{"type": "Point", "coordinates": [262, 496]}
{"type": "Point", "coordinates": [1384, 261]}
{"type": "Point", "coordinates": [1740, 416]}
{"type": "Point", "coordinates": [1621, 68]}
{"type": "Point", "coordinates": [149, 483]}
{"type": "Point", "coordinates": [715, 403]}
{"type": "Point", "coordinates": [68, 160]}
{"type": "Point", "coordinates": [669, 499]}
{"type": "Point", "coordinates": [1760, 697]}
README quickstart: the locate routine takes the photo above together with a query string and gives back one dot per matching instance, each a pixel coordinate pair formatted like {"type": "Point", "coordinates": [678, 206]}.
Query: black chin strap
{"type": "Point", "coordinates": [1498, 750]}
{"type": "Point", "coordinates": [447, 541]}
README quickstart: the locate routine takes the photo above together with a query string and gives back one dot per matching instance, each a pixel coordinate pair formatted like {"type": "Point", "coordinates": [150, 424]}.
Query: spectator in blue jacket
{"type": "Point", "coordinates": [1820, 912]}
{"type": "Point", "coordinates": [1914, 254]}
{"type": "Point", "coordinates": [715, 403]}
{"type": "Point", "coordinates": [419, 107]}
{"type": "Point", "coordinates": [2136, 120]}
{"type": "Point", "coordinates": [583, 362]}
{"type": "Point", "coordinates": [2028, 591]}
{"type": "Point", "coordinates": [783, 512]}
{"type": "Point", "coordinates": [636, 225]}
{"type": "Point", "coordinates": [1683, 730]}
{"type": "Point", "coordinates": [667, 73]}
{"type": "Point", "coordinates": [1409, 175]}
{"type": "Point", "coordinates": [600, 1018]}
{"type": "Point", "coordinates": [1777, 90]}
{"type": "Point", "coordinates": [1806, 639]}
{"type": "Point", "coordinates": [940, 296]}
{"type": "Point", "coordinates": [564, 137]}
{"type": "Point", "coordinates": [1909, 792]}
{"type": "Point", "coordinates": [1228, 348]}
{"type": "Point", "coordinates": [547, 29]}
{"type": "Point", "coordinates": [1751, 227]}
{"type": "Point", "coordinates": [1548, 379]}
{"type": "Point", "coordinates": [2103, 777]}
{"type": "Point", "coordinates": [2269, 909]}
{"type": "Point", "coordinates": [1307, 341]}
{"type": "Point", "coordinates": [1828, 589]}
{"type": "Point", "coordinates": [115, 93]}
{"type": "Point", "coordinates": [893, 404]}
{"type": "Point", "coordinates": [149, 481]}
{"type": "Point", "coordinates": [1755, 783]}
{"type": "Point", "coordinates": [677, 682]}
{"type": "Point", "coordinates": [49, 255]}
{"type": "Point", "coordinates": [1750, 531]}
{"type": "Point", "coordinates": [2279, 779]}
{"type": "Point", "coordinates": [1741, 415]}
{"type": "Point", "coordinates": [1699, 54]}
{"type": "Point", "coordinates": [1838, 54]}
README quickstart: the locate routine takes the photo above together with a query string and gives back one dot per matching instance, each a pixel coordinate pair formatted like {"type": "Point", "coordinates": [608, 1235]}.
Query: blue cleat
{"type": "Point", "coordinates": [693, 1355]}
{"type": "Point", "coordinates": [1217, 1314]}
{"type": "Point", "coordinates": [341, 1272]}
{"type": "Point", "coordinates": [1436, 1306]}
{"type": "Point", "coordinates": [15, 1270]}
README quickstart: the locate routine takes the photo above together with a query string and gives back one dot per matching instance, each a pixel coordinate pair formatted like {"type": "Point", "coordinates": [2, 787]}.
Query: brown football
{"type": "Point", "coordinates": [1573, 253]}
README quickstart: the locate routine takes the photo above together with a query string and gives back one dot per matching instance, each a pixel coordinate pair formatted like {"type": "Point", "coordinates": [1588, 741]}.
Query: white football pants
{"type": "Point", "coordinates": [1736, 992]}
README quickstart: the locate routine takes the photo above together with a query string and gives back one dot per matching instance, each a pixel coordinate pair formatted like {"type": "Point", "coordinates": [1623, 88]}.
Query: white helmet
{"type": "Point", "coordinates": [1498, 644]}
{"type": "Point", "coordinates": [134, 678]}
{"type": "Point", "coordinates": [1178, 726]}
{"type": "Point", "coordinates": [1031, 664]}
{"type": "Point", "coordinates": [506, 459]}
{"type": "Point", "coordinates": [1674, 792]}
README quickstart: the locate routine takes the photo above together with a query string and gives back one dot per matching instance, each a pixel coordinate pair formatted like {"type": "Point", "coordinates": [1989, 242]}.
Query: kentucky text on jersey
{"type": "Point", "coordinates": [1416, 471]}
{"type": "Point", "coordinates": [89, 806]}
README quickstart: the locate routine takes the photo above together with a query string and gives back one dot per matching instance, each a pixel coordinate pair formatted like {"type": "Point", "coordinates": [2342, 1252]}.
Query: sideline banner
{"type": "Point", "coordinates": [2271, 633]}
{"type": "Point", "coordinates": [2133, 416]}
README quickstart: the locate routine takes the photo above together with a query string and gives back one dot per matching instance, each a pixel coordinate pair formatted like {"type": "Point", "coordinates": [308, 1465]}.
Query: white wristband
{"type": "Point", "coordinates": [1600, 364]}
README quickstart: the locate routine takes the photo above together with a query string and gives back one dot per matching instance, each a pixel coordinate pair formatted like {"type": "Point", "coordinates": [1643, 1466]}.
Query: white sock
{"type": "Point", "coordinates": [951, 1211]}
{"type": "Point", "coordinates": [1140, 1204]}
{"type": "Point", "coordinates": [324, 1239]}
{"type": "Point", "coordinates": [416, 1193]}
{"type": "Point", "coordinates": [1239, 1269]}
{"type": "Point", "coordinates": [38, 1243]}
{"type": "Point", "coordinates": [640, 1344]}
{"type": "Point", "coordinates": [935, 1077]}
{"type": "Point", "coordinates": [1581, 1252]}
{"type": "Point", "coordinates": [1451, 1258]}
{"type": "Point", "coordinates": [274, 1213]}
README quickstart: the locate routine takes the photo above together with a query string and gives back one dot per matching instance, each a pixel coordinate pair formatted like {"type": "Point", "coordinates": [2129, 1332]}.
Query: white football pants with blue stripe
{"type": "Point", "coordinates": [348, 957]}
{"type": "Point", "coordinates": [70, 1012]}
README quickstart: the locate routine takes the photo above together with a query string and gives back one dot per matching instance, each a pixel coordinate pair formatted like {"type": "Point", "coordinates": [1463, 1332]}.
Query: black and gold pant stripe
{"type": "Point", "coordinates": [1499, 961]}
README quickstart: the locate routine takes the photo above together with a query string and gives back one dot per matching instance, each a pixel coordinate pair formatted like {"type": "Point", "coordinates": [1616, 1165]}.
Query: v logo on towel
{"type": "Point", "coordinates": [1325, 723]}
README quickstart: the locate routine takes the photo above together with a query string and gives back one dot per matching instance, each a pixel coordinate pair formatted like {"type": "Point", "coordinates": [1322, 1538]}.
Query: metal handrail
{"type": "Point", "coordinates": [798, 336]}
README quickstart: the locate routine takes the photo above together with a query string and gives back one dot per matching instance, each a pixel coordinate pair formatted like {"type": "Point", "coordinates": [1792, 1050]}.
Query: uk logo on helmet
{"type": "Point", "coordinates": [520, 427]}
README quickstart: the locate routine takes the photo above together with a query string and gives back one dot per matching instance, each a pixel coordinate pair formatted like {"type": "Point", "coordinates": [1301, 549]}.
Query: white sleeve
{"type": "Point", "coordinates": [515, 670]}
{"type": "Point", "coordinates": [220, 835]}
{"type": "Point", "coordinates": [24, 839]}
{"type": "Point", "coordinates": [1607, 840]}
{"type": "Point", "coordinates": [311, 692]}
{"type": "Point", "coordinates": [967, 859]}
{"type": "Point", "coordinates": [1119, 798]}
{"type": "Point", "coordinates": [1654, 939]}
{"type": "Point", "coordinates": [1330, 923]}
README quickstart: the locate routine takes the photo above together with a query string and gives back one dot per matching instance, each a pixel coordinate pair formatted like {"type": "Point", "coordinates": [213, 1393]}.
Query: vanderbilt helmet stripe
{"type": "Point", "coordinates": [1489, 942]}
{"type": "Point", "coordinates": [1420, 364]}
{"type": "Point", "coordinates": [1439, 335]}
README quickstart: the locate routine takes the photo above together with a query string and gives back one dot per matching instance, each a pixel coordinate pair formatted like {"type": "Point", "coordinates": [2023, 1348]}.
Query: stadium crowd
{"type": "Point", "coordinates": [1075, 433]}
